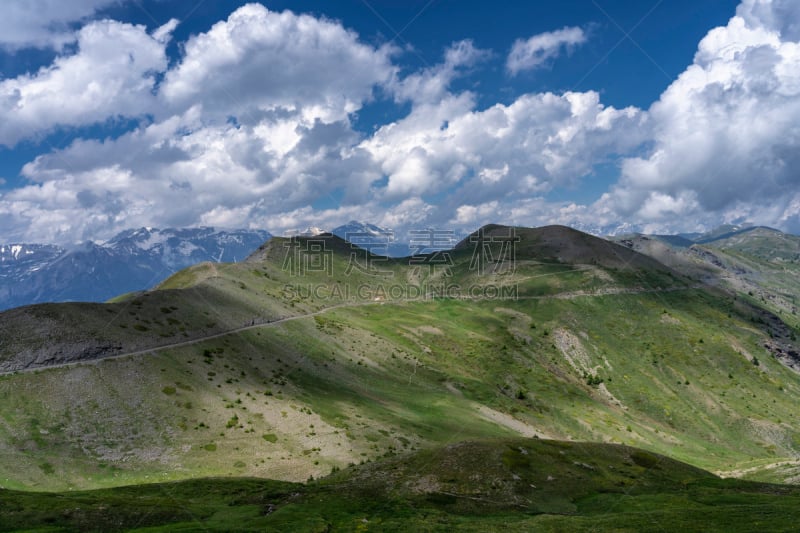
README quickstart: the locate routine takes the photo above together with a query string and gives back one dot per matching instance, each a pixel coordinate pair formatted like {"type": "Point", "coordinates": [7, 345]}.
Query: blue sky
{"type": "Point", "coordinates": [606, 115]}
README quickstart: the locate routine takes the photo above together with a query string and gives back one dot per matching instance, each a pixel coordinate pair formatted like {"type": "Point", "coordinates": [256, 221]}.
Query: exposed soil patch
{"type": "Point", "coordinates": [510, 422]}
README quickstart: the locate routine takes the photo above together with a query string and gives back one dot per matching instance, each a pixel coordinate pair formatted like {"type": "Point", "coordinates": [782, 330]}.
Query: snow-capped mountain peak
{"type": "Point", "coordinates": [363, 228]}
{"type": "Point", "coordinates": [134, 259]}
{"type": "Point", "coordinates": [311, 231]}
{"type": "Point", "coordinates": [376, 239]}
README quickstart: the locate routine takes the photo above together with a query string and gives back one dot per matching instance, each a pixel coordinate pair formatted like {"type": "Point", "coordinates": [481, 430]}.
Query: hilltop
{"type": "Point", "coordinates": [564, 245]}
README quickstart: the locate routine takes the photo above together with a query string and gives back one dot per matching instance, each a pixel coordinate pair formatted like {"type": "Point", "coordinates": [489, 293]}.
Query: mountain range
{"type": "Point", "coordinates": [137, 259]}
{"type": "Point", "coordinates": [132, 260]}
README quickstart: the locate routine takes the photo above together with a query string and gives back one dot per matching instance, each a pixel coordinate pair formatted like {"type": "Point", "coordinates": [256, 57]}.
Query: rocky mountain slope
{"type": "Point", "coordinates": [760, 265]}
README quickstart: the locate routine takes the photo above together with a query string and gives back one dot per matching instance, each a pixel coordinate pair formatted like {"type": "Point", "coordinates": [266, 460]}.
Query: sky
{"type": "Point", "coordinates": [606, 115]}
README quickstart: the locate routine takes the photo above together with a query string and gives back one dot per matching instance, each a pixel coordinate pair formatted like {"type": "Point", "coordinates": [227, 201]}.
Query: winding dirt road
{"type": "Point", "coordinates": [561, 296]}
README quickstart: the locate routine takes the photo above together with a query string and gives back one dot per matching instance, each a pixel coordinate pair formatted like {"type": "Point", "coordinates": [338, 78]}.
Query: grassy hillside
{"type": "Point", "coordinates": [329, 366]}
{"type": "Point", "coordinates": [768, 264]}
{"type": "Point", "coordinates": [760, 263]}
{"type": "Point", "coordinates": [210, 298]}
{"type": "Point", "coordinates": [761, 266]}
{"type": "Point", "coordinates": [764, 243]}
{"type": "Point", "coordinates": [509, 484]}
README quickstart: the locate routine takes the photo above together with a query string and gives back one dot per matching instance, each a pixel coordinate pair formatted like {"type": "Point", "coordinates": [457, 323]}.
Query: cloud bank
{"type": "Point", "coordinates": [254, 126]}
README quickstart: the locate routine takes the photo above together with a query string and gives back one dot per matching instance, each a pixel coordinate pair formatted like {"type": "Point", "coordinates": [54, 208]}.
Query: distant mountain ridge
{"type": "Point", "coordinates": [728, 231]}
{"type": "Point", "coordinates": [133, 260]}
{"type": "Point", "coordinates": [137, 259]}
{"type": "Point", "coordinates": [376, 239]}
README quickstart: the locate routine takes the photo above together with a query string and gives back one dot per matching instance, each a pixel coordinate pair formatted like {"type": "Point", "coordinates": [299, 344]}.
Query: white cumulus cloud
{"type": "Point", "coordinates": [253, 126]}
{"type": "Point", "coordinates": [432, 84]}
{"type": "Point", "coordinates": [530, 146]}
{"type": "Point", "coordinates": [263, 60]}
{"type": "Point", "coordinates": [727, 131]}
{"type": "Point", "coordinates": [112, 73]}
{"type": "Point", "coordinates": [536, 51]}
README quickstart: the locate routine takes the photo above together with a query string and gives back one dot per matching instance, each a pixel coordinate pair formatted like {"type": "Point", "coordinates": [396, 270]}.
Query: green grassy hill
{"type": "Point", "coordinates": [490, 485]}
{"type": "Point", "coordinates": [761, 266]}
{"type": "Point", "coordinates": [766, 263]}
{"type": "Point", "coordinates": [291, 366]}
{"type": "Point", "coordinates": [764, 243]}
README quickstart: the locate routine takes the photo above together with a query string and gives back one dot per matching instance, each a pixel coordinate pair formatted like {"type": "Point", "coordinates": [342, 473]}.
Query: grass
{"type": "Point", "coordinates": [380, 379]}
{"type": "Point", "coordinates": [509, 484]}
